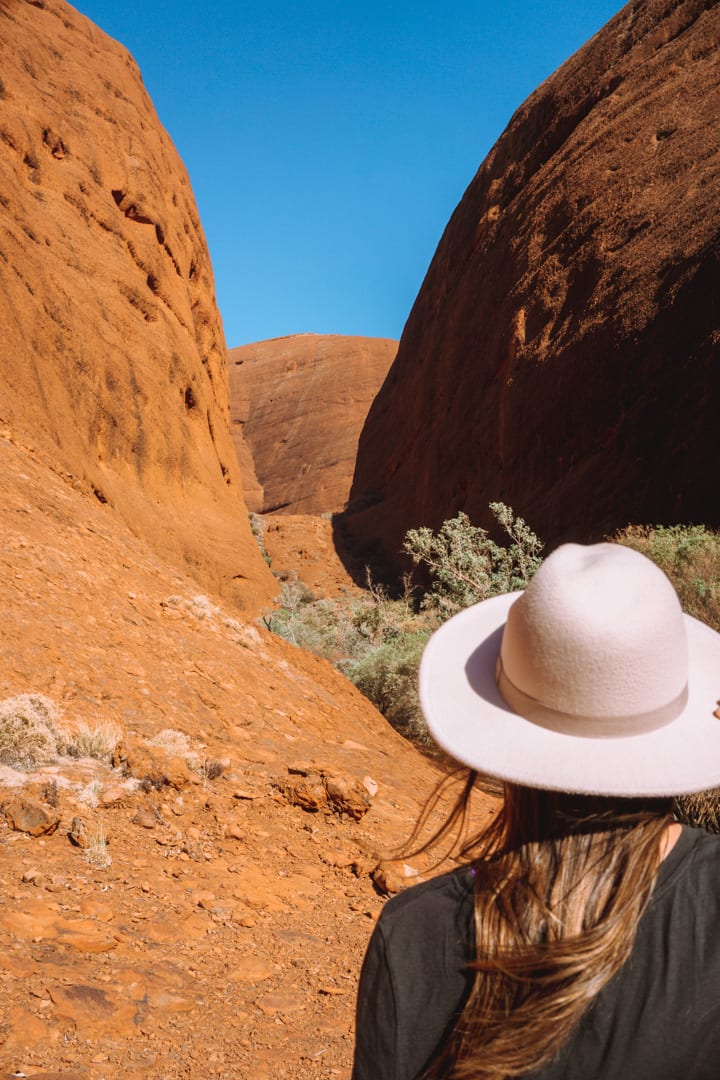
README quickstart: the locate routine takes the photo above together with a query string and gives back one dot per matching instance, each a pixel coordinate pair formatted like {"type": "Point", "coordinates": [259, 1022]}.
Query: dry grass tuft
{"type": "Point", "coordinates": [172, 742]}
{"type": "Point", "coordinates": [96, 852]}
{"type": "Point", "coordinates": [94, 740]}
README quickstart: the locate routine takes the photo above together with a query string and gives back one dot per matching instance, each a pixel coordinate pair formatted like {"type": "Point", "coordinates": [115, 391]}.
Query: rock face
{"type": "Point", "coordinates": [298, 404]}
{"type": "Point", "coordinates": [562, 355]}
{"type": "Point", "coordinates": [112, 359]}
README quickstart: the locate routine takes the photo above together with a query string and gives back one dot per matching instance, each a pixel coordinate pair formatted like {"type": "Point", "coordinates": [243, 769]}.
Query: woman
{"type": "Point", "coordinates": [580, 938]}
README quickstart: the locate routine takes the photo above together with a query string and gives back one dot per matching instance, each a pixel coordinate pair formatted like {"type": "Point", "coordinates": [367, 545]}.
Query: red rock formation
{"type": "Point", "coordinates": [112, 355]}
{"type": "Point", "coordinates": [562, 355]}
{"type": "Point", "coordinates": [299, 403]}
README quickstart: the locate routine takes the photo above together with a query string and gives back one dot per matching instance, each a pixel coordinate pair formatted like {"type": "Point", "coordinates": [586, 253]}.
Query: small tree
{"type": "Point", "coordinates": [466, 566]}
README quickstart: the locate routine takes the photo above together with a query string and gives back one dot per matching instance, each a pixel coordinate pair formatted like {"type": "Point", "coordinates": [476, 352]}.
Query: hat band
{"type": "Point", "coordinates": [588, 726]}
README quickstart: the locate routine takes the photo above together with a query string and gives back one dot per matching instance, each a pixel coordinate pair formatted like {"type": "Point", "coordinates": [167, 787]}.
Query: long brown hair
{"type": "Point", "coordinates": [561, 882]}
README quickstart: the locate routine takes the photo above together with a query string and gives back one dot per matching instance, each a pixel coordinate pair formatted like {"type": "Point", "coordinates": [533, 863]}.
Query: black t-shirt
{"type": "Point", "coordinates": [657, 1019]}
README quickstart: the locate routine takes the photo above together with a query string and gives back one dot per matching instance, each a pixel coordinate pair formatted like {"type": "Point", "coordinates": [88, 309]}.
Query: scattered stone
{"type": "Point", "coordinates": [307, 792]}
{"type": "Point", "coordinates": [146, 819]}
{"type": "Point", "coordinates": [233, 831]}
{"type": "Point", "coordinates": [252, 970]}
{"type": "Point", "coordinates": [371, 786]}
{"type": "Point", "coordinates": [245, 793]}
{"type": "Point", "coordinates": [204, 899]}
{"type": "Point", "coordinates": [24, 1029]}
{"type": "Point", "coordinates": [151, 764]}
{"type": "Point", "coordinates": [168, 1002]}
{"type": "Point", "coordinates": [115, 795]}
{"type": "Point", "coordinates": [347, 796]}
{"type": "Point", "coordinates": [389, 877]}
{"type": "Point", "coordinates": [22, 815]}
{"type": "Point", "coordinates": [93, 1010]}
{"type": "Point", "coordinates": [78, 834]}
{"type": "Point", "coordinates": [319, 789]}
{"type": "Point", "coordinates": [280, 1003]}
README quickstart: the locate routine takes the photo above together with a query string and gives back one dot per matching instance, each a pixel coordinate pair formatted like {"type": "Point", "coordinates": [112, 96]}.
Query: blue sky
{"type": "Point", "coordinates": [328, 144]}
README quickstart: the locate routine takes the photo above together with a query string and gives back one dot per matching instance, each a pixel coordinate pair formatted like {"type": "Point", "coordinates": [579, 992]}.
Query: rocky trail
{"type": "Point", "coordinates": [202, 906]}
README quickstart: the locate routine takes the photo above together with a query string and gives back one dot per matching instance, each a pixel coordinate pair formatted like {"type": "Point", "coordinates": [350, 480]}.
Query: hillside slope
{"type": "Point", "coordinates": [225, 935]}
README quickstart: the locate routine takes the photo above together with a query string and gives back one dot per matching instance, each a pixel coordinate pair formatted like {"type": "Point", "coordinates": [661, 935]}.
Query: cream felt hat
{"type": "Point", "coordinates": [591, 680]}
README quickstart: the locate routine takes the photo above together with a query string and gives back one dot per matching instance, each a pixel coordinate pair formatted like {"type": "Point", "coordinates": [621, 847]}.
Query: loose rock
{"type": "Point", "coordinates": [31, 817]}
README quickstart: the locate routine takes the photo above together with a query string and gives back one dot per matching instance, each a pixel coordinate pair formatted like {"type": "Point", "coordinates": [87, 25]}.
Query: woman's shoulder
{"type": "Point", "coordinates": [430, 900]}
{"type": "Point", "coordinates": [693, 864]}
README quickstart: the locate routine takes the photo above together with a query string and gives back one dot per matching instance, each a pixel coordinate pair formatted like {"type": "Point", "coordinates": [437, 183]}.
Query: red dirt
{"type": "Point", "coordinates": [226, 934]}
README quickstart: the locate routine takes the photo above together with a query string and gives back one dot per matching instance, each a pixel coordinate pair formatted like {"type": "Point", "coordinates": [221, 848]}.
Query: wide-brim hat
{"type": "Point", "coordinates": [592, 680]}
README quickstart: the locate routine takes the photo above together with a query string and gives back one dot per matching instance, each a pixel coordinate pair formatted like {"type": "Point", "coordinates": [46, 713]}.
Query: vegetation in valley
{"type": "Point", "coordinates": [376, 638]}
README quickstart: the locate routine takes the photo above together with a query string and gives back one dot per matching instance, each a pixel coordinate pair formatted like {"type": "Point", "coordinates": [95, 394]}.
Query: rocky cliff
{"type": "Point", "coordinates": [298, 404]}
{"type": "Point", "coordinates": [562, 355]}
{"type": "Point", "coordinates": [112, 355]}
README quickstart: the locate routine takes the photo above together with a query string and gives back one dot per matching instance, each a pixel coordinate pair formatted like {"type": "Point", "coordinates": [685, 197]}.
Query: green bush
{"type": "Point", "coordinates": [377, 640]}
{"type": "Point", "coordinates": [388, 677]}
{"type": "Point", "coordinates": [690, 556]}
{"type": "Point", "coordinates": [466, 566]}
{"type": "Point", "coordinates": [333, 629]}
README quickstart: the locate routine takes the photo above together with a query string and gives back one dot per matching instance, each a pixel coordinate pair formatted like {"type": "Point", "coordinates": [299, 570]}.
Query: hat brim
{"type": "Point", "coordinates": [468, 717]}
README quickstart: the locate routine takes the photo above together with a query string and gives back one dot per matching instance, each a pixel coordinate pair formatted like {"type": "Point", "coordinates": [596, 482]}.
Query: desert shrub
{"type": "Point", "coordinates": [690, 556]}
{"type": "Point", "coordinates": [96, 852]}
{"type": "Point", "coordinates": [173, 742]}
{"type": "Point", "coordinates": [377, 639]}
{"type": "Point", "coordinates": [28, 731]}
{"type": "Point", "coordinates": [388, 677]}
{"type": "Point", "coordinates": [329, 628]}
{"type": "Point", "coordinates": [316, 625]}
{"type": "Point", "coordinates": [90, 793]}
{"type": "Point", "coordinates": [372, 638]}
{"type": "Point", "coordinates": [94, 740]}
{"type": "Point", "coordinates": [346, 627]}
{"type": "Point", "coordinates": [466, 565]}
